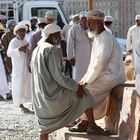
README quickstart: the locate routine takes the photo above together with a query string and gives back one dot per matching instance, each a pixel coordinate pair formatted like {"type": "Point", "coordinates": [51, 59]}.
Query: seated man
{"type": "Point", "coordinates": [106, 69]}
{"type": "Point", "coordinates": [58, 100]}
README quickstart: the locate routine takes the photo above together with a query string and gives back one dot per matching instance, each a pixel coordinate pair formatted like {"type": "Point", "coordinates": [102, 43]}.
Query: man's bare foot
{"type": "Point", "coordinates": [23, 109]}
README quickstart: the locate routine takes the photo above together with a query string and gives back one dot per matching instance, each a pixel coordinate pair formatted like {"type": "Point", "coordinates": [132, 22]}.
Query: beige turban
{"type": "Point", "coordinates": [42, 20]}
{"type": "Point", "coordinates": [26, 22]}
{"type": "Point", "coordinates": [75, 19]}
{"type": "Point", "coordinates": [97, 15]}
{"type": "Point", "coordinates": [50, 29]}
{"type": "Point", "coordinates": [20, 26]}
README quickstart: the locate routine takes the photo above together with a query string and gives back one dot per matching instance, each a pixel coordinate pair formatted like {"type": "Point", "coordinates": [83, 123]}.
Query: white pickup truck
{"type": "Point", "coordinates": [28, 9]}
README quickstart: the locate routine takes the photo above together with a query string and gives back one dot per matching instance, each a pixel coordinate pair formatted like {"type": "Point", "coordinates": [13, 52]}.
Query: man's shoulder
{"type": "Point", "coordinates": [132, 28]}
{"type": "Point", "coordinates": [36, 32]}
{"type": "Point", "coordinates": [14, 40]}
{"type": "Point", "coordinates": [106, 35]}
{"type": "Point", "coordinates": [74, 27]}
{"type": "Point", "coordinates": [6, 34]}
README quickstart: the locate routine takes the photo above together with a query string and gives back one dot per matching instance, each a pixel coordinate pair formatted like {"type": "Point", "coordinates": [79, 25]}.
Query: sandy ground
{"type": "Point", "coordinates": [15, 125]}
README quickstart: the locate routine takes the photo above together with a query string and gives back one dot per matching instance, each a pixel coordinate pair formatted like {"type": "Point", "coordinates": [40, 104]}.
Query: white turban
{"type": "Point", "coordinates": [20, 26]}
{"type": "Point", "coordinates": [42, 20]}
{"type": "Point", "coordinates": [50, 29]}
{"type": "Point", "coordinates": [97, 15]}
{"type": "Point", "coordinates": [26, 22]}
{"type": "Point", "coordinates": [108, 18]}
{"type": "Point", "coordinates": [75, 19]}
{"type": "Point", "coordinates": [49, 14]}
{"type": "Point", "coordinates": [82, 14]}
{"type": "Point", "coordinates": [137, 17]}
{"type": "Point", "coordinates": [2, 17]}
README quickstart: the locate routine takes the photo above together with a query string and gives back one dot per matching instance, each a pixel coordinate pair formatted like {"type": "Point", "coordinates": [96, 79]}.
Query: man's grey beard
{"type": "Point", "coordinates": [92, 34]}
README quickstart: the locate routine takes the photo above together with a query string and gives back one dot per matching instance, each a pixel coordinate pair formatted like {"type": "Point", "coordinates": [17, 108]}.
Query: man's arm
{"type": "Point", "coordinates": [129, 41]}
{"type": "Point", "coordinates": [54, 66]}
{"type": "Point", "coordinates": [70, 46]}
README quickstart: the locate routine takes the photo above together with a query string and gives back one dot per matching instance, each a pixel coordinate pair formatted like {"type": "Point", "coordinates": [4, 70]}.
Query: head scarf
{"type": "Point", "coordinates": [2, 17]}
{"type": "Point", "coordinates": [20, 26]}
{"type": "Point", "coordinates": [137, 17]}
{"type": "Point", "coordinates": [75, 19]}
{"type": "Point", "coordinates": [26, 22]}
{"type": "Point", "coordinates": [97, 15]}
{"type": "Point", "coordinates": [108, 18]}
{"type": "Point", "coordinates": [42, 20]}
{"type": "Point", "coordinates": [9, 22]}
{"type": "Point", "coordinates": [50, 29]}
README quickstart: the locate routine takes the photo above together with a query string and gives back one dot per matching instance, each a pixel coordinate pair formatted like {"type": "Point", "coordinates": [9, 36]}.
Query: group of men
{"type": "Point", "coordinates": [17, 45]}
{"type": "Point", "coordinates": [59, 100]}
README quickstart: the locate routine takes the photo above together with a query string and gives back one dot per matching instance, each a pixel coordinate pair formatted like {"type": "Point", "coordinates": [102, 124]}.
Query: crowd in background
{"type": "Point", "coordinates": [87, 58]}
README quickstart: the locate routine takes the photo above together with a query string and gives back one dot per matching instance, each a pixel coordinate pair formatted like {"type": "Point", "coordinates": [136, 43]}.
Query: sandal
{"type": "Point", "coordinates": [78, 128]}
{"type": "Point", "coordinates": [9, 96]}
{"type": "Point", "coordinates": [98, 131]}
{"type": "Point", "coordinates": [1, 98]}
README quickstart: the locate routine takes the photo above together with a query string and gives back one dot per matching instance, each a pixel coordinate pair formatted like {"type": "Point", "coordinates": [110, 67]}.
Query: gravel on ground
{"type": "Point", "coordinates": [15, 125]}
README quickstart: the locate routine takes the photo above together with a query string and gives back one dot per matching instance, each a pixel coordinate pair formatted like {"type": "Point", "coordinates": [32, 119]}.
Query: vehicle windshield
{"type": "Point", "coordinates": [40, 12]}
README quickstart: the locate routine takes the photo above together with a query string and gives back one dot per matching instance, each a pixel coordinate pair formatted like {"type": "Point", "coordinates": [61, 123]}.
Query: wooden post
{"type": "Point", "coordinates": [90, 5]}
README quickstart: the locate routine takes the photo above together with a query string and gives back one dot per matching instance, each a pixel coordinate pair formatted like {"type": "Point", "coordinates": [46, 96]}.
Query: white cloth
{"type": "Point", "coordinates": [3, 81]}
{"type": "Point", "coordinates": [108, 18]}
{"type": "Point", "coordinates": [137, 66]}
{"type": "Point", "coordinates": [28, 37]}
{"type": "Point", "coordinates": [19, 26]}
{"type": "Point", "coordinates": [64, 32]}
{"type": "Point", "coordinates": [133, 36]}
{"type": "Point", "coordinates": [78, 47]}
{"type": "Point", "coordinates": [21, 78]}
{"type": "Point", "coordinates": [108, 29]}
{"type": "Point", "coordinates": [137, 17]}
{"type": "Point", "coordinates": [50, 29]}
{"type": "Point", "coordinates": [105, 71]}
{"type": "Point", "coordinates": [54, 95]}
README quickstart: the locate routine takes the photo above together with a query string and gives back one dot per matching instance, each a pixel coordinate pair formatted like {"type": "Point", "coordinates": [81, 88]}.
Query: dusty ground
{"type": "Point", "coordinates": [15, 125]}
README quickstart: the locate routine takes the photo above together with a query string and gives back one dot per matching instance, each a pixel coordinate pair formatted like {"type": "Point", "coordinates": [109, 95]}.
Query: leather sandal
{"type": "Point", "coordinates": [98, 131]}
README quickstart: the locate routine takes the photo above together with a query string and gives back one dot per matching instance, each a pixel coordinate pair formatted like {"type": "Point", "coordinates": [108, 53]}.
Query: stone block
{"type": "Point", "coordinates": [65, 134]}
{"type": "Point", "coordinates": [129, 126]}
{"type": "Point", "coordinates": [113, 109]}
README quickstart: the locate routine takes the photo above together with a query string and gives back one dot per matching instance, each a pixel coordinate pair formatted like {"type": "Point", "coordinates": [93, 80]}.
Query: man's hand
{"type": "Point", "coordinates": [80, 91]}
{"type": "Point", "coordinates": [23, 48]}
{"type": "Point", "coordinates": [82, 83]}
{"type": "Point", "coordinates": [72, 61]}
{"type": "Point", "coordinates": [130, 52]}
